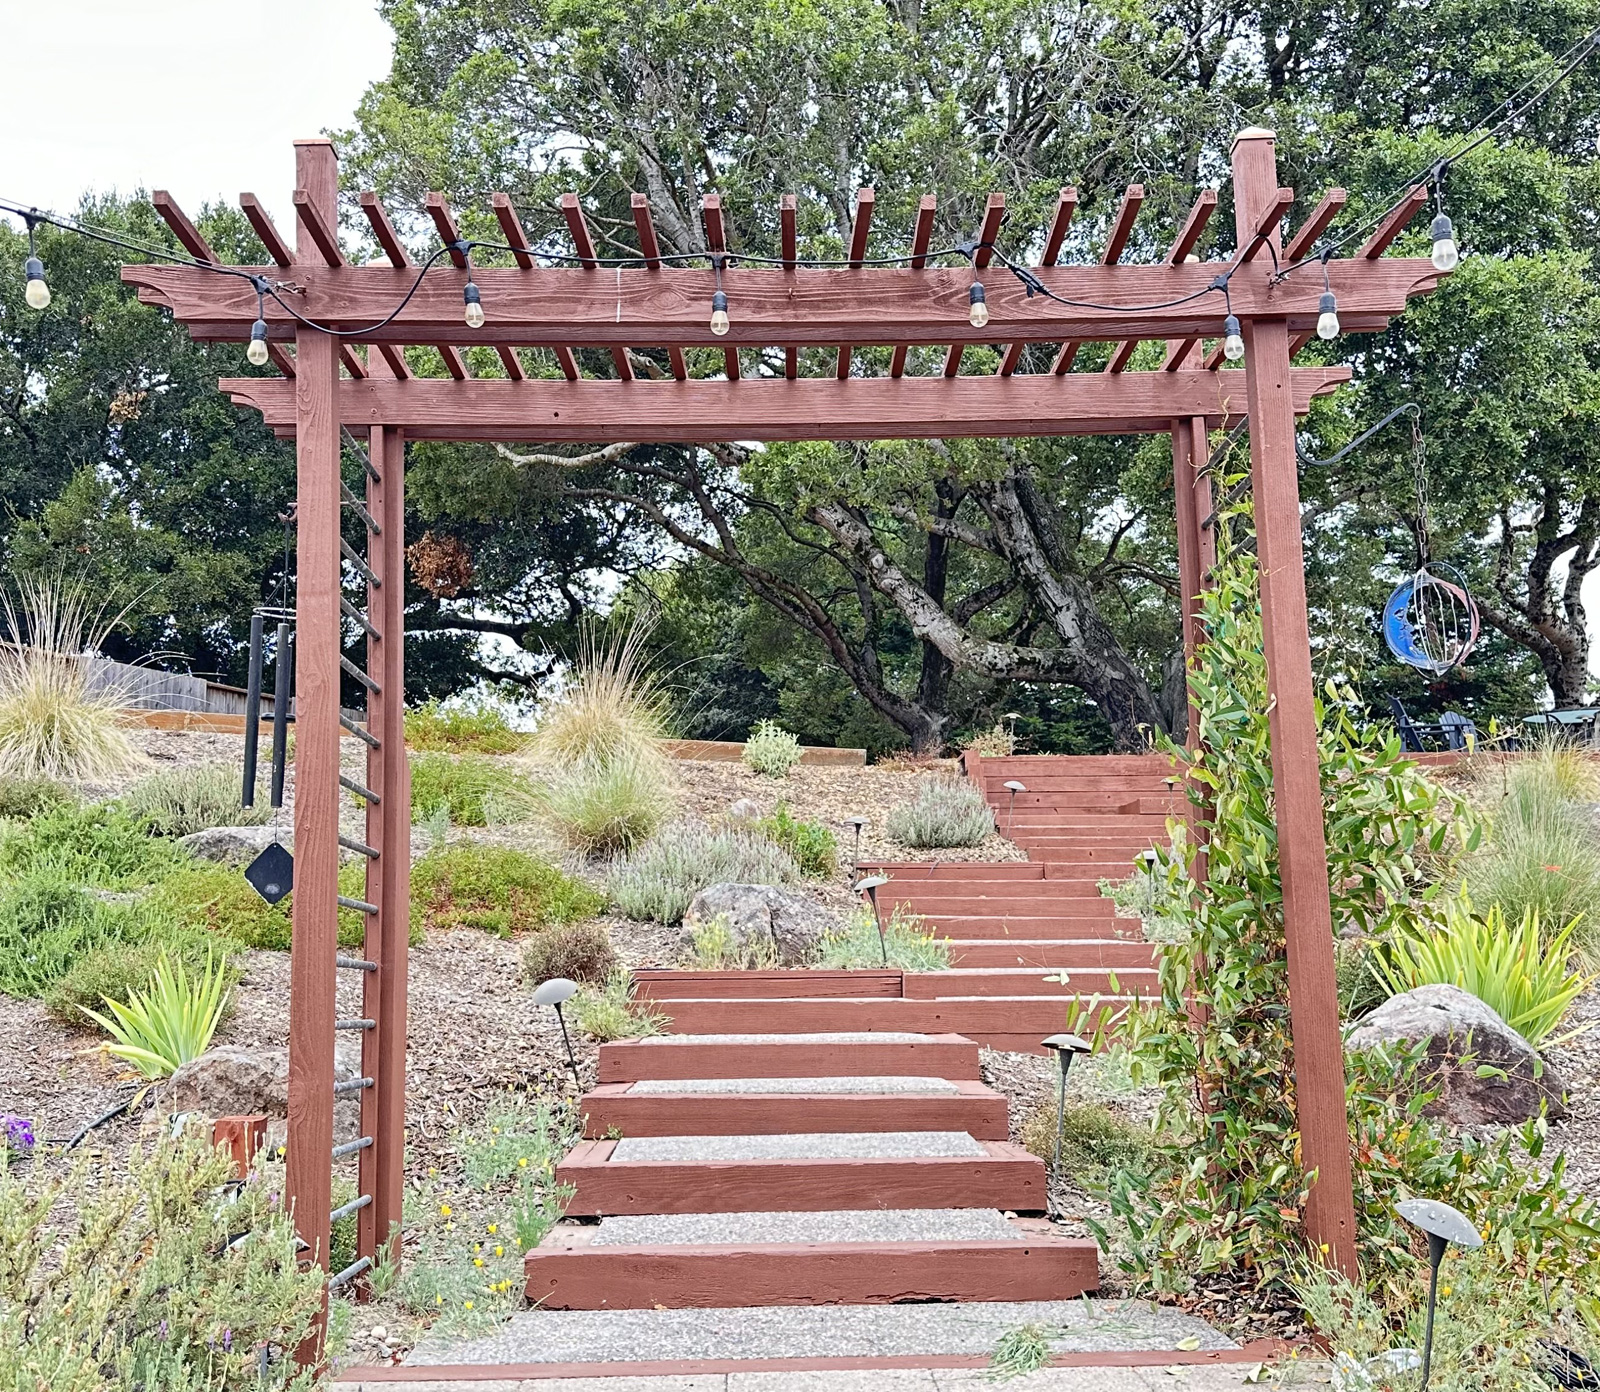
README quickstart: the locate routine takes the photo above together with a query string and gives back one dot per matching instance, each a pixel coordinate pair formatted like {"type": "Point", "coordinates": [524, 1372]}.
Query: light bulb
{"type": "Point", "coordinates": [256, 353]}
{"type": "Point", "coordinates": [1233, 341]}
{"type": "Point", "coordinates": [37, 293]}
{"type": "Point", "coordinates": [1446, 255]}
{"type": "Point", "coordinates": [978, 306]}
{"type": "Point", "coordinates": [1328, 317]}
{"type": "Point", "coordinates": [474, 303]}
{"type": "Point", "coordinates": [719, 314]}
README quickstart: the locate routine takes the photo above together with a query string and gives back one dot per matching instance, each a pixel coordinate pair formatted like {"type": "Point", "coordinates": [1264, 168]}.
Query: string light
{"type": "Point", "coordinates": [1232, 339]}
{"type": "Point", "coordinates": [473, 300]}
{"type": "Point", "coordinates": [37, 293]}
{"type": "Point", "coordinates": [719, 300]}
{"type": "Point", "coordinates": [256, 354]}
{"type": "Point", "coordinates": [1446, 256]}
{"type": "Point", "coordinates": [1327, 306]}
{"type": "Point", "coordinates": [977, 306]}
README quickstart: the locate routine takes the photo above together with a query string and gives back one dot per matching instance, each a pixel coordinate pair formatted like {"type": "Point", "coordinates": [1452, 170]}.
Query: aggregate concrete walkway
{"type": "Point", "coordinates": [1176, 1378]}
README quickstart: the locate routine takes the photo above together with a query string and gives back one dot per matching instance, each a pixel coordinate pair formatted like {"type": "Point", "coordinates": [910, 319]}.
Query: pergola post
{"type": "Point", "coordinates": [1319, 1077]}
{"type": "Point", "coordinates": [312, 971]}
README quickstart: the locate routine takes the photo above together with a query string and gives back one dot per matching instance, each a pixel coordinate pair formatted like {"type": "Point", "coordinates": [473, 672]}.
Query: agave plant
{"type": "Point", "coordinates": [171, 1022]}
{"type": "Point", "coordinates": [1514, 969]}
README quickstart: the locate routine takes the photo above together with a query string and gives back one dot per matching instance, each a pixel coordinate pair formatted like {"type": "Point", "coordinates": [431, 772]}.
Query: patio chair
{"type": "Point", "coordinates": [1412, 735]}
{"type": "Point", "coordinates": [1458, 730]}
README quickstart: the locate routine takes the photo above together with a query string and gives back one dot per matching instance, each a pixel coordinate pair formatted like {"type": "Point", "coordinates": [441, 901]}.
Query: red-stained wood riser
{"type": "Point", "coordinates": [1039, 1265]}
{"type": "Point", "coordinates": [1004, 1177]}
{"type": "Point", "coordinates": [611, 1108]}
{"type": "Point", "coordinates": [935, 1056]}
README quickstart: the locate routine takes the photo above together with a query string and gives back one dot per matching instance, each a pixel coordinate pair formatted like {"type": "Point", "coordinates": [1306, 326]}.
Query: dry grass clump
{"type": "Point", "coordinates": [52, 724]}
{"type": "Point", "coordinates": [577, 951]}
{"type": "Point", "coordinates": [613, 705]}
{"type": "Point", "coordinates": [598, 806]}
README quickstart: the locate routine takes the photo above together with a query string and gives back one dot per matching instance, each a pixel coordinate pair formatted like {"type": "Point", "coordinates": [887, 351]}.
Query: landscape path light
{"type": "Point", "coordinates": [870, 887]}
{"type": "Point", "coordinates": [1013, 787]}
{"type": "Point", "coordinates": [1444, 1225]}
{"type": "Point", "coordinates": [553, 993]}
{"type": "Point", "coordinates": [855, 855]}
{"type": "Point", "coordinates": [1063, 1046]}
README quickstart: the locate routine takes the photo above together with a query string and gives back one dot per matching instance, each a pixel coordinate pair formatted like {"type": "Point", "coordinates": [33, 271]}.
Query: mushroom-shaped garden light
{"type": "Point", "coordinates": [1063, 1046]}
{"type": "Point", "coordinates": [1013, 787]}
{"type": "Point", "coordinates": [870, 887]}
{"type": "Point", "coordinates": [553, 993]}
{"type": "Point", "coordinates": [1444, 1225]}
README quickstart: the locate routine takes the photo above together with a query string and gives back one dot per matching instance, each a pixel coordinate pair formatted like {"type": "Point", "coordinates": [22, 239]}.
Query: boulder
{"type": "Point", "coordinates": [758, 915]}
{"type": "Point", "coordinates": [235, 845]}
{"type": "Point", "coordinates": [1465, 1038]}
{"type": "Point", "coordinates": [231, 1081]}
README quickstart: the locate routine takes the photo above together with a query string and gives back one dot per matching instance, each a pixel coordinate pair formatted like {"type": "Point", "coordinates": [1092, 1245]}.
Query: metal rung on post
{"type": "Point", "coordinates": [354, 964]}
{"type": "Point", "coordinates": [355, 1024]}
{"type": "Point", "coordinates": [351, 1086]}
{"type": "Point", "coordinates": [361, 511]}
{"type": "Point", "coordinates": [359, 675]}
{"type": "Point", "coordinates": [360, 905]}
{"type": "Point", "coordinates": [360, 732]}
{"type": "Point", "coordinates": [354, 1206]}
{"type": "Point", "coordinates": [361, 792]}
{"type": "Point", "coordinates": [366, 571]}
{"type": "Point", "coordinates": [351, 1147]}
{"type": "Point", "coordinates": [360, 452]}
{"type": "Point", "coordinates": [350, 1272]}
{"type": "Point", "coordinates": [359, 847]}
{"type": "Point", "coordinates": [351, 612]}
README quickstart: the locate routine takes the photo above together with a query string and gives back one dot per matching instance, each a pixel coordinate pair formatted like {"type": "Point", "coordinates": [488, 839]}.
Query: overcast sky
{"type": "Point", "coordinates": [200, 97]}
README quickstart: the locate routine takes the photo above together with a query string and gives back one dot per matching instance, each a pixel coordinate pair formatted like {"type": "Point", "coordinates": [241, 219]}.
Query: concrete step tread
{"type": "Point", "coordinates": [887, 1084]}
{"type": "Point", "coordinates": [841, 1145]}
{"type": "Point", "coordinates": [839, 1225]}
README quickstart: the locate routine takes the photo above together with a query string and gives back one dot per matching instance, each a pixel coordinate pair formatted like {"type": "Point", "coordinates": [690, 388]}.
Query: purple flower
{"type": "Point", "coordinates": [227, 1341]}
{"type": "Point", "coordinates": [163, 1329]}
{"type": "Point", "coordinates": [16, 1133]}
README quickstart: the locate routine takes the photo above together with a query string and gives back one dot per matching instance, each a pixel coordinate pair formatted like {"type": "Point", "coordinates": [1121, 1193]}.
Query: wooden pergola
{"type": "Point", "coordinates": [327, 386]}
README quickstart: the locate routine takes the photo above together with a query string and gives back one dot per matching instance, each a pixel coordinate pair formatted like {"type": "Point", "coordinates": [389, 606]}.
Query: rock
{"type": "Point", "coordinates": [1465, 1035]}
{"type": "Point", "coordinates": [231, 1081]}
{"type": "Point", "coordinates": [759, 915]}
{"type": "Point", "coordinates": [745, 811]}
{"type": "Point", "coordinates": [237, 845]}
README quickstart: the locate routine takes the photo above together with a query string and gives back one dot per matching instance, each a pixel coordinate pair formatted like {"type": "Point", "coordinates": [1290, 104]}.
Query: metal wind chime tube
{"type": "Point", "coordinates": [283, 681]}
{"type": "Point", "coordinates": [252, 711]}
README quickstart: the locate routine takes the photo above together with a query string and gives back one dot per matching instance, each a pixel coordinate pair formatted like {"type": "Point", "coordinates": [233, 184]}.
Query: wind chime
{"type": "Point", "coordinates": [271, 873]}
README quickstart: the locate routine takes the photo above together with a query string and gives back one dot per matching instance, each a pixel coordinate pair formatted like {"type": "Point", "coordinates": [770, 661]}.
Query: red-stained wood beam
{"type": "Point", "coordinates": [186, 232]}
{"type": "Point", "coordinates": [282, 359]}
{"type": "Point", "coordinates": [266, 229]}
{"type": "Point", "coordinates": [994, 212]}
{"type": "Point", "coordinates": [1116, 242]}
{"type": "Point", "coordinates": [583, 244]}
{"type": "Point", "coordinates": [789, 236]}
{"type": "Point", "coordinates": [444, 222]}
{"type": "Point", "coordinates": [921, 240]}
{"type": "Point", "coordinates": [1182, 246]}
{"type": "Point", "coordinates": [1266, 226]}
{"type": "Point", "coordinates": [505, 213]}
{"type": "Point", "coordinates": [766, 409]}
{"type": "Point", "coordinates": [717, 241]}
{"type": "Point", "coordinates": [858, 251]}
{"type": "Point", "coordinates": [650, 249]}
{"type": "Point", "coordinates": [389, 240]}
{"type": "Point", "coordinates": [323, 234]}
{"type": "Point", "coordinates": [1066, 206]}
{"type": "Point", "coordinates": [1398, 219]}
{"type": "Point", "coordinates": [1305, 236]}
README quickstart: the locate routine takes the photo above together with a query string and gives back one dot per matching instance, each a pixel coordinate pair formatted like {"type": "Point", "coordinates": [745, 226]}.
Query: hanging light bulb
{"type": "Point", "coordinates": [1327, 316]}
{"type": "Point", "coordinates": [719, 314]}
{"type": "Point", "coordinates": [256, 353]}
{"type": "Point", "coordinates": [978, 306]}
{"type": "Point", "coordinates": [1446, 255]}
{"type": "Point", "coordinates": [37, 293]}
{"type": "Point", "coordinates": [474, 303]}
{"type": "Point", "coordinates": [1232, 340]}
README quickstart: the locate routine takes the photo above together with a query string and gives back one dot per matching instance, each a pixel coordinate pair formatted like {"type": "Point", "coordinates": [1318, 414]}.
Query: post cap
{"type": "Point", "coordinates": [554, 991]}
{"type": "Point", "coordinates": [1255, 133]}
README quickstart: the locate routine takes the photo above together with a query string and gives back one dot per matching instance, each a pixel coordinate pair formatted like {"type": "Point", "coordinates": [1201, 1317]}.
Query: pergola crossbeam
{"type": "Point", "coordinates": [859, 231]}
{"type": "Point", "coordinates": [1116, 241]}
{"type": "Point", "coordinates": [583, 244]}
{"type": "Point", "coordinates": [921, 240]}
{"type": "Point", "coordinates": [994, 212]}
{"type": "Point", "coordinates": [717, 242]}
{"type": "Point", "coordinates": [444, 222]}
{"type": "Point", "coordinates": [1066, 206]}
{"type": "Point", "coordinates": [789, 238]}
{"type": "Point", "coordinates": [650, 248]}
{"type": "Point", "coordinates": [1182, 247]}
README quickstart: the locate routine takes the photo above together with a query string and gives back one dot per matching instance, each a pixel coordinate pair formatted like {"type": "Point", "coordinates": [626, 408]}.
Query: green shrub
{"type": "Point", "coordinates": [659, 879]}
{"type": "Point", "coordinates": [480, 729]}
{"type": "Point", "coordinates": [910, 947]}
{"type": "Point", "coordinates": [712, 947]}
{"type": "Point", "coordinates": [1516, 971]}
{"type": "Point", "coordinates": [612, 706]}
{"type": "Point", "coordinates": [112, 972]}
{"type": "Point", "coordinates": [610, 1012]}
{"type": "Point", "coordinates": [1360, 990]}
{"type": "Point", "coordinates": [52, 723]}
{"type": "Point", "coordinates": [577, 951]}
{"type": "Point", "coordinates": [180, 801]}
{"type": "Point", "coordinates": [603, 805]}
{"type": "Point", "coordinates": [496, 888]}
{"type": "Point", "coordinates": [47, 924]}
{"type": "Point", "coordinates": [1095, 1141]}
{"type": "Point", "coordinates": [96, 844]}
{"type": "Point", "coordinates": [1542, 852]}
{"type": "Point", "coordinates": [118, 1278]}
{"type": "Point", "coordinates": [21, 798]}
{"type": "Point", "coordinates": [771, 750]}
{"type": "Point", "coordinates": [516, 1136]}
{"type": "Point", "coordinates": [944, 812]}
{"type": "Point", "coordinates": [220, 899]}
{"type": "Point", "coordinates": [474, 788]}
{"type": "Point", "coordinates": [810, 843]}
{"type": "Point", "coordinates": [171, 1021]}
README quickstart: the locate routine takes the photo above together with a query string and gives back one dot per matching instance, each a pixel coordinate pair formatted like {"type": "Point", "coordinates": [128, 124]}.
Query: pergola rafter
{"type": "Point", "coordinates": [658, 302]}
